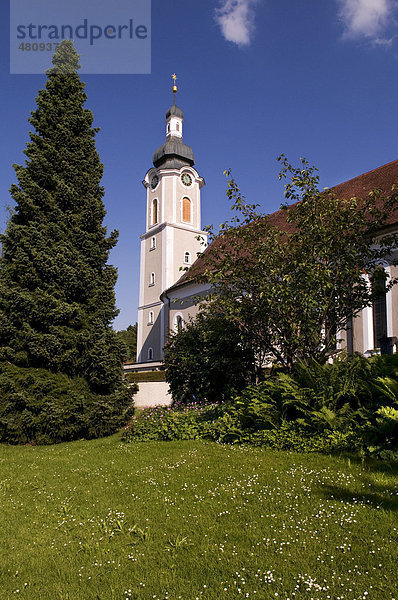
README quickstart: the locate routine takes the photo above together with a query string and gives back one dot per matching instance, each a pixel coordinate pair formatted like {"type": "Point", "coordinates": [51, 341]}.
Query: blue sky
{"type": "Point", "coordinates": [256, 78]}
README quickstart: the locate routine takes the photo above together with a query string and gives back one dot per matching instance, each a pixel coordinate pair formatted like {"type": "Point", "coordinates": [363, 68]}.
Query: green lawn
{"type": "Point", "coordinates": [193, 520]}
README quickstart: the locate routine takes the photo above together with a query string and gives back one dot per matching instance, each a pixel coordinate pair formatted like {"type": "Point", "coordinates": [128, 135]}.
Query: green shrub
{"type": "Point", "coordinates": [208, 360]}
{"type": "Point", "coordinates": [332, 396]}
{"type": "Point", "coordinates": [219, 423]}
{"type": "Point", "coordinates": [343, 407]}
{"type": "Point", "coordinates": [183, 422]}
{"type": "Point", "coordinates": [290, 436]}
{"type": "Point", "coordinates": [346, 400]}
{"type": "Point", "coordinates": [381, 434]}
{"type": "Point", "coordinates": [37, 406]}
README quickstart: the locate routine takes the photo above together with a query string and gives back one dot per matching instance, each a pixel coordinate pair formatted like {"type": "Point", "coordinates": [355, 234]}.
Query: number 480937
{"type": "Point", "coordinates": [38, 47]}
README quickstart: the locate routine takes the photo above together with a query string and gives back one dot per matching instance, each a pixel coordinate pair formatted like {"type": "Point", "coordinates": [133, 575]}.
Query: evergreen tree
{"type": "Point", "coordinates": [56, 290]}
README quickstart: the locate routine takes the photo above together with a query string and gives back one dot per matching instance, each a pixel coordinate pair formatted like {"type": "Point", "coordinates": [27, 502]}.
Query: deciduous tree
{"type": "Point", "coordinates": [291, 288]}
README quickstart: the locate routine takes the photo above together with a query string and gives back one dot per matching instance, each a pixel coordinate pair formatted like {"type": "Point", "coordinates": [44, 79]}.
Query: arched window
{"type": "Point", "coordinates": [168, 128]}
{"type": "Point", "coordinates": [150, 317]}
{"type": "Point", "coordinates": [152, 279]}
{"type": "Point", "coordinates": [186, 210]}
{"type": "Point", "coordinates": [187, 258]}
{"type": "Point", "coordinates": [178, 127]}
{"type": "Point", "coordinates": [150, 354]}
{"type": "Point", "coordinates": [155, 211]}
{"type": "Point", "coordinates": [179, 323]}
{"type": "Point", "coordinates": [153, 243]}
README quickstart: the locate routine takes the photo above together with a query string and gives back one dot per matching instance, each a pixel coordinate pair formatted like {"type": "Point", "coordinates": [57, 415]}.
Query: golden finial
{"type": "Point", "coordinates": [175, 88]}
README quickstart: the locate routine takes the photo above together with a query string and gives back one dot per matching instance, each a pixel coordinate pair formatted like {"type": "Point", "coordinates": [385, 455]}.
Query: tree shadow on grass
{"type": "Point", "coordinates": [378, 495]}
{"type": "Point", "coordinates": [373, 465]}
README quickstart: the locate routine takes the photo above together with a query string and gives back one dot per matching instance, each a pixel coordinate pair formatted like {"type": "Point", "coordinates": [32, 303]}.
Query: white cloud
{"type": "Point", "coordinates": [236, 19]}
{"type": "Point", "coordinates": [366, 18]}
{"type": "Point", "coordinates": [385, 42]}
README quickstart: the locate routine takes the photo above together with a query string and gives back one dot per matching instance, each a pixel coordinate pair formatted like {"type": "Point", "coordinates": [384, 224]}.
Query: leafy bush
{"type": "Point", "coordinates": [37, 406]}
{"type": "Point", "coordinates": [341, 407]}
{"type": "Point", "coordinates": [345, 403]}
{"type": "Point", "coordinates": [208, 361]}
{"type": "Point", "coordinates": [180, 422]}
{"type": "Point", "coordinates": [334, 396]}
{"type": "Point", "coordinates": [291, 436]}
{"type": "Point", "coordinates": [219, 423]}
{"type": "Point", "coordinates": [284, 398]}
{"type": "Point", "coordinates": [380, 434]}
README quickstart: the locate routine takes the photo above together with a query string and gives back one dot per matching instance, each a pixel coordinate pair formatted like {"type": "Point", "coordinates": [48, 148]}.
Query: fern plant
{"type": "Point", "coordinates": [335, 397]}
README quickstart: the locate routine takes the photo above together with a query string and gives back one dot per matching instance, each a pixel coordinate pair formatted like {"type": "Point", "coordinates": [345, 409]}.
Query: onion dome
{"type": "Point", "coordinates": [174, 154]}
{"type": "Point", "coordinates": [175, 111]}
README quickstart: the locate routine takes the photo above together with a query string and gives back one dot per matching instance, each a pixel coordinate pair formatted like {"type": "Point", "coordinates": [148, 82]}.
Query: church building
{"type": "Point", "coordinates": [171, 242]}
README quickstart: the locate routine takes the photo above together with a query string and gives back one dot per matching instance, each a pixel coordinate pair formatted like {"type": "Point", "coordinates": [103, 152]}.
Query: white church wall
{"type": "Point", "coordinates": [152, 393]}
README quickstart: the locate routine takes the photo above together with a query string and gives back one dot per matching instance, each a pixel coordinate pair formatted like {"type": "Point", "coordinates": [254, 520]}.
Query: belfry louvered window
{"type": "Point", "coordinates": [186, 210]}
{"type": "Point", "coordinates": [155, 211]}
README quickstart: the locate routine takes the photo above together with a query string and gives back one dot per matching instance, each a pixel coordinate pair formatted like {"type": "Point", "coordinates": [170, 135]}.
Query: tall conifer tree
{"type": "Point", "coordinates": [56, 290]}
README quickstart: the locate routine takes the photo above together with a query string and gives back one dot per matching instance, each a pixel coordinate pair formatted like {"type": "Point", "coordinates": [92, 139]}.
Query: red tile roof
{"type": "Point", "coordinates": [382, 178]}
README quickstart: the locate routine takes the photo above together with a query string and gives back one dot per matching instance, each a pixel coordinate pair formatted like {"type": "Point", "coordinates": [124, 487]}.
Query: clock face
{"type": "Point", "coordinates": [154, 181]}
{"type": "Point", "coordinates": [186, 179]}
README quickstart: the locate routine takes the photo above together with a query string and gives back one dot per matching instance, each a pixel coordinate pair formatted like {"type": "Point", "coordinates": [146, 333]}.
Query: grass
{"type": "Point", "coordinates": [104, 520]}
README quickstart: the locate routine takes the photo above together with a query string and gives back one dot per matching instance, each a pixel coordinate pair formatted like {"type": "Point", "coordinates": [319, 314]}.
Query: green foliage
{"type": "Point", "coordinates": [318, 396]}
{"type": "Point", "coordinates": [344, 406]}
{"type": "Point", "coordinates": [184, 422]}
{"type": "Point", "coordinates": [208, 361]}
{"type": "Point", "coordinates": [223, 424]}
{"type": "Point", "coordinates": [37, 406]}
{"type": "Point", "coordinates": [291, 281]}
{"type": "Point", "coordinates": [129, 338]}
{"type": "Point", "coordinates": [166, 423]}
{"type": "Point", "coordinates": [381, 432]}
{"type": "Point", "coordinates": [56, 289]}
{"type": "Point", "coordinates": [291, 436]}
{"type": "Point", "coordinates": [347, 400]}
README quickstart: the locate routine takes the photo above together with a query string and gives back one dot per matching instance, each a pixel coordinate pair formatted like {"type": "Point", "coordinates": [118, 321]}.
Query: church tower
{"type": "Point", "coordinates": [173, 222]}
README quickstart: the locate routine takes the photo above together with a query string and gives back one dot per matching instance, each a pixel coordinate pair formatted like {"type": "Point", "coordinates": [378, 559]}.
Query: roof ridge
{"type": "Point", "coordinates": [364, 174]}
